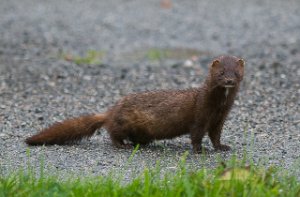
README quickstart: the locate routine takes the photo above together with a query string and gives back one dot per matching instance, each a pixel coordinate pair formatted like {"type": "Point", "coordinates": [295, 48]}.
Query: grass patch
{"type": "Point", "coordinates": [91, 57]}
{"type": "Point", "coordinates": [156, 54]}
{"type": "Point", "coordinates": [232, 180]}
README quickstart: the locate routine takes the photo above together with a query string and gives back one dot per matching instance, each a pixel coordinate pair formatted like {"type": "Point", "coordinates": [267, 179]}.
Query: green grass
{"type": "Point", "coordinates": [233, 180]}
{"type": "Point", "coordinates": [156, 54]}
{"type": "Point", "coordinates": [91, 57]}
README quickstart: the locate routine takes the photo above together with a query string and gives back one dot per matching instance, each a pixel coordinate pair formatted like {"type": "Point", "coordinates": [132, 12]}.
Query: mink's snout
{"type": "Point", "coordinates": [229, 82]}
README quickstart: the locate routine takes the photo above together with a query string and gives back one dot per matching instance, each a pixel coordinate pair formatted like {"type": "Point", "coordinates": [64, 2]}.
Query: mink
{"type": "Point", "coordinates": [163, 114]}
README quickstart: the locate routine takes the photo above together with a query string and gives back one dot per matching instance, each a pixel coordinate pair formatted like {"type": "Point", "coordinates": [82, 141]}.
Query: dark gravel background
{"type": "Point", "coordinates": [38, 86]}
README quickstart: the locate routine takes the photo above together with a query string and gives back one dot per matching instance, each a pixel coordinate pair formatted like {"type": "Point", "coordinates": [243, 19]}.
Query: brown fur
{"type": "Point", "coordinates": [144, 117]}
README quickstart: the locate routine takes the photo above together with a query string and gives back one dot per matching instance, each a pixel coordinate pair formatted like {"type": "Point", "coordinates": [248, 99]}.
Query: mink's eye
{"type": "Point", "coordinates": [222, 73]}
{"type": "Point", "coordinates": [237, 75]}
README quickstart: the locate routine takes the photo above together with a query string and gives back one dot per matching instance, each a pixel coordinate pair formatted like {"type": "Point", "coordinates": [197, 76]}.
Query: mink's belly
{"type": "Point", "coordinates": [157, 127]}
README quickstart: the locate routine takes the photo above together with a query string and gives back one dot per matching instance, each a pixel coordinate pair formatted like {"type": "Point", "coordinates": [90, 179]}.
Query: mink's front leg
{"type": "Point", "coordinates": [214, 134]}
{"type": "Point", "coordinates": [197, 134]}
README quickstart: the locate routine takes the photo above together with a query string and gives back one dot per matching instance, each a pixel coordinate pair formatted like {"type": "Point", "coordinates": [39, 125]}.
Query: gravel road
{"type": "Point", "coordinates": [40, 85]}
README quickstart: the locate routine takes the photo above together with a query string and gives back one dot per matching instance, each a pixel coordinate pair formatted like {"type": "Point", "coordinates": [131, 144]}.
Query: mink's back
{"type": "Point", "coordinates": [159, 100]}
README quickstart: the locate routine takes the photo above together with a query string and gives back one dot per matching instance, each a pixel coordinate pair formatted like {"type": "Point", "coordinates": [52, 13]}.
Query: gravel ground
{"type": "Point", "coordinates": [38, 86]}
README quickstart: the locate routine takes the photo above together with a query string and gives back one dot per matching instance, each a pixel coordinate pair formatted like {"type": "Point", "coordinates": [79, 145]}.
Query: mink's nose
{"type": "Point", "coordinates": [230, 82]}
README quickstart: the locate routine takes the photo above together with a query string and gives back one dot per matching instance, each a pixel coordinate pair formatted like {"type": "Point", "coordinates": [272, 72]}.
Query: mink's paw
{"type": "Point", "coordinates": [222, 147]}
{"type": "Point", "coordinates": [126, 146]}
{"type": "Point", "coordinates": [200, 150]}
{"type": "Point", "coordinates": [122, 145]}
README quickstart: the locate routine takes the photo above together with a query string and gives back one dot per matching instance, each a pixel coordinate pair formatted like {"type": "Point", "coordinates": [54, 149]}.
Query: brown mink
{"type": "Point", "coordinates": [154, 115]}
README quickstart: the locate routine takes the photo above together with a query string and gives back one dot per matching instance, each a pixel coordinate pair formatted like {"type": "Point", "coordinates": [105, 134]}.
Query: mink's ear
{"type": "Point", "coordinates": [241, 62]}
{"type": "Point", "coordinates": [215, 63]}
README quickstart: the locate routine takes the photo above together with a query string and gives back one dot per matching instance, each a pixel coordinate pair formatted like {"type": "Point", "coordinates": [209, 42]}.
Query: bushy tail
{"type": "Point", "coordinates": [68, 131]}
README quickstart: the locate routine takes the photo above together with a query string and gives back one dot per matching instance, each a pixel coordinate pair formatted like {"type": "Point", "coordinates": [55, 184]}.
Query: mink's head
{"type": "Point", "coordinates": [227, 71]}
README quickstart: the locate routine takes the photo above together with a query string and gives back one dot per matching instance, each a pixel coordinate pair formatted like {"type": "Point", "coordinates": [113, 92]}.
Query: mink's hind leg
{"type": "Point", "coordinates": [119, 143]}
{"type": "Point", "coordinates": [140, 141]}
{"type": "Point", "coordinates": [117, 131]}
{"type": "Point", "coordinates": [118, 138]}
{"type": "Point", "coordinates": [139, 136]}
